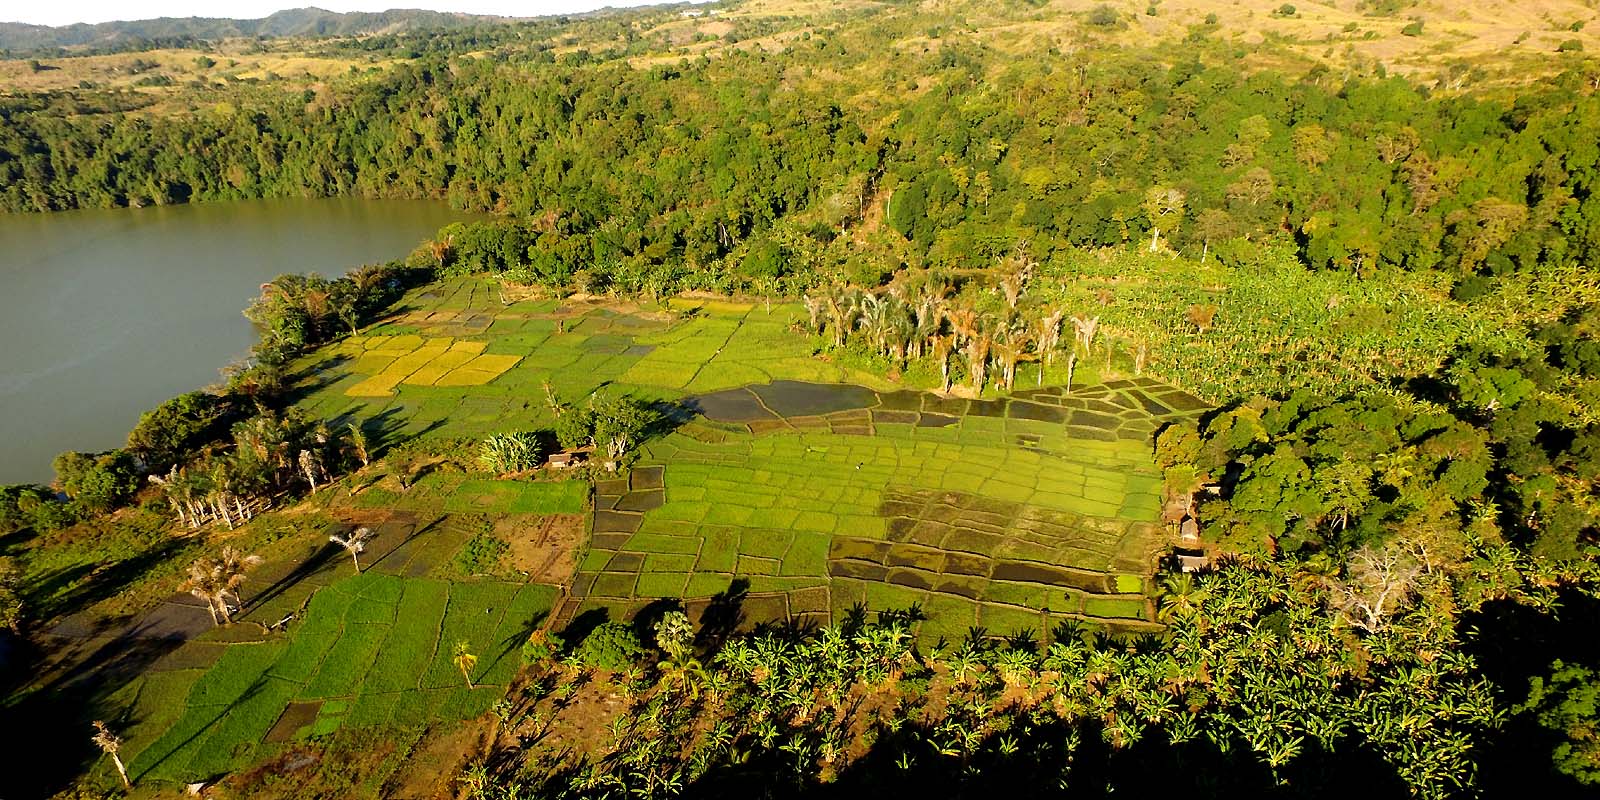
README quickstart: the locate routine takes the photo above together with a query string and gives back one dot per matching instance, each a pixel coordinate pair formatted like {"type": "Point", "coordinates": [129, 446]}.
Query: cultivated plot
{"type": "Point", "coordinates": [372, 649]}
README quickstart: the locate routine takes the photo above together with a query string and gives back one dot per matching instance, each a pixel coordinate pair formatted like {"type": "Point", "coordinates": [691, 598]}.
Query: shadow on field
{"type": "Point", "coordinates": [255, 688]}
{"type": "Point", "coordinates": [722, 617]}
{"type": "Point", "coordinates": [1516, 761]}
{"type": "Point", "coordinates": [381, 429]}
{"type": "Point", "coordinates": [92, 583]}
{"type": "Point", "coordinates": [51, 724]}
{"type": "Point", "coordinates": [1038, 762]}
{"type": "Point", "coordinates": [319, 559]}
{"type": "Point", "coordinates": [309, 381]}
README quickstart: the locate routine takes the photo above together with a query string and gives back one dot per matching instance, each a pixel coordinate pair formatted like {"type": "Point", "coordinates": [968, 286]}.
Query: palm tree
{"type": "Point", "coordinates": [688, 673]}
{"type": "Point", "coordinates": [310, 466]}
{"type": "Point", "coordinates": [814, 308]}
{"type": "Point", "coordinates": [1047, 337]}
{"type": "Point", "coordinates": [355, 542]}
{"type": "Point", "coordinates": [1006, 355]}
{"type": "Point", "coordinates": [1083, 330]}
{"type": "Point", "coordinates": [1011, 285]}
{"type": "Point", "coordinates": [465, 661]}
{"type": "Point", "coordinates": [204, 582]}
{"type": "Point", "coordinates": [977, 352]}
{"type": "Point", "coordinates": [111, 744]}
{"type": "Point", "coordinates": [901, 334]}
{"type": "Point", "coordinates": [220, 480]}
{"type": "Point", "coordinates": [170, 484]}
{"type": "Point", "coordinates": [843, 307]}
{"type": "Point", "coordinates": [1015, 273]}
{"type": "Point", "coordinates": [233, 565]}
{"type": "Point", "coordinates": [1180, 597]}
{"type": "Point", "coordinates": [942, 345]}
{"type": "Point", "coordinates": [215, 580]}
{"type": "Point", "coordinates": [358, 444]}
{"type": "Point", "coordinates": [963, 323]}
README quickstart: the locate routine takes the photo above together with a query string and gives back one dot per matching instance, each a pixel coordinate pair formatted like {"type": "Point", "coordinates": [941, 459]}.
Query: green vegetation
{"type": "Point", "coordinates": [510, 452]}
{"type": "Point", "coordinates": [481, 555]}
{"type": "Point", "coordinates": [611, 646]}
{"type": "Point", "coordinates": [362, 653]}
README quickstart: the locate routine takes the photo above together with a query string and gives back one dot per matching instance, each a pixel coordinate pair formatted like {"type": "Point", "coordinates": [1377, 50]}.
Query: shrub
{"type": "Point", "coordinates": [540, 647]}
{"type": "Point", "coordinates": [612, 646]}
{"type": "Point", "coordinates": [481, 555]}
{"type": "Point", "coordinates": [574, 427]}
{"type": "Point", "coordinates": [1570, 46]}
{"type": "Point", "coordinates": [97, 481]}
{"type": "Point", "coordinates": [764, 259]}
{"type": "Point", "coordinates": [1103, 16]}
{"type": "Point", "coordinates": [1286, 10]}
{"type": "Point", "coordinates": [1414, 29]}
{"type": "Point", "coordinates": [1472, 287]}
{"type": "Point", "coordinates": [24, 506]}
{"type": "Point", "coordinates": [173, 429]}
{"type": "Point", "coordinates": [510, 452]}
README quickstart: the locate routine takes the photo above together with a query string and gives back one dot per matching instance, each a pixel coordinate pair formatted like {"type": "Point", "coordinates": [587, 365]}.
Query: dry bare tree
{"type": "Point", "coordinates": [1377, 583]}
{"type": "Point", "coordinates": [1164, 207]}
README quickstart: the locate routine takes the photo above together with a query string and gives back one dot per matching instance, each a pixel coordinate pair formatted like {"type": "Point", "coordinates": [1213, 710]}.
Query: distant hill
{"type": "Point", "coordinates": [20, 37]}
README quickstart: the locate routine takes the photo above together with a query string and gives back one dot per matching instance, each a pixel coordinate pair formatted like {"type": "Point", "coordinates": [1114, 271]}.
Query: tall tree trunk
{"type": "Point", "coordinates": [121, 770]}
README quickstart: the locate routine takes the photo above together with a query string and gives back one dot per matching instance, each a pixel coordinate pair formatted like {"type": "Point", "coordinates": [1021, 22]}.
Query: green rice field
{"type": "Point", "coordinates": [794, 487]}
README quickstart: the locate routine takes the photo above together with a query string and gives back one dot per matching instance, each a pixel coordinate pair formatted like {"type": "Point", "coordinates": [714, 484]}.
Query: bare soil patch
{"type": "Point", "coordinates": [543, 546]}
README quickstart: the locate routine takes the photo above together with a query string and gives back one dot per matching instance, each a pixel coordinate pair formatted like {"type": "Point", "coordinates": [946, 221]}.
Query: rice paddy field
{"type": "Point", "coordinates": [791, 489]}
{"type": "Point", "coordinates": [370, 650]}
{"type": "Point", "coordinates": [805, 485]}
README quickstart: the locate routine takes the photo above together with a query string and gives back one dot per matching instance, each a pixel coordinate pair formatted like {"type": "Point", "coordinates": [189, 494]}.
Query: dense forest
{"type": "Point", "coordinates": [1381, 285]}
{"type": "Point", "coordinates": [685, 163]}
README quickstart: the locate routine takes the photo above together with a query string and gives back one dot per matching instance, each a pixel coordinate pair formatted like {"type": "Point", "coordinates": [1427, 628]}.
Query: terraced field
{"type": "Point", "coordinates": [791, 489]}
{"type": "Point", "coordinates": [374, 649]}
{"type": "Point", "coordinates": [1005, 515]}
{"type": "Point", "coordinates": [808, 486]}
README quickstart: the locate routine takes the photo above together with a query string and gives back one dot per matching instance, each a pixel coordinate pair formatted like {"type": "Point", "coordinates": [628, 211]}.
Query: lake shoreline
{"type": "Point", "coordinates": [140, 304]}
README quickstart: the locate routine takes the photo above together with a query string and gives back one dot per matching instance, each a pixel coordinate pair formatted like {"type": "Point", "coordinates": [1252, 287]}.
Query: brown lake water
{"type": "Point", "coordinates": [104, 314]}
